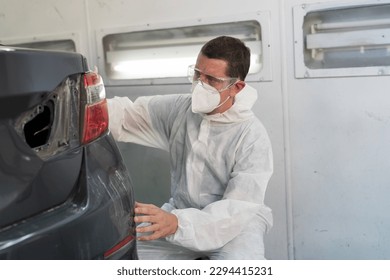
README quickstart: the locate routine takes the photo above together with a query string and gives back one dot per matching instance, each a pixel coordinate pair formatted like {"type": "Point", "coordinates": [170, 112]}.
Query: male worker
{"type": "Point", "coordinates": [220, 156]}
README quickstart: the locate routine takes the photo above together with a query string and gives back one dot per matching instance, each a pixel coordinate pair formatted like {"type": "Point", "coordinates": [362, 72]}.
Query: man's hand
{"type": "Point", "coordinates": [162, 223]}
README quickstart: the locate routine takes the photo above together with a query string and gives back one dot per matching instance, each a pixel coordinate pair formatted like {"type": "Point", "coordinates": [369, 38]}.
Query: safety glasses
{"type": "Point", "coordinates": [220, 84]}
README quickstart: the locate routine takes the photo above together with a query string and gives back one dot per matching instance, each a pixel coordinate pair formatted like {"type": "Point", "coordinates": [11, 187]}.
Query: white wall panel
{"type": "Point", "coordinates": [338, 138]}
{"type": "Point", "coordinates": [40, 20]}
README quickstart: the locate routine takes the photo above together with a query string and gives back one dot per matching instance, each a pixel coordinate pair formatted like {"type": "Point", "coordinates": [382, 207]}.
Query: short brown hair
{"type": "Point", "coordinates": [231, 50]}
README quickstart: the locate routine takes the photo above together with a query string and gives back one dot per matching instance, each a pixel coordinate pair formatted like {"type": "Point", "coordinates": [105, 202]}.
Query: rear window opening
{"type": "Point", "coordinates": [37, 130]}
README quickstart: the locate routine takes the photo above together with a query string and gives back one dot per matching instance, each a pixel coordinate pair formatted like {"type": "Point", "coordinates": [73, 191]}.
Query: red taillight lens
{"type": "Point", "coordinates": [95, 121]}
{"type": "Point", "coordinates": [119, 249]}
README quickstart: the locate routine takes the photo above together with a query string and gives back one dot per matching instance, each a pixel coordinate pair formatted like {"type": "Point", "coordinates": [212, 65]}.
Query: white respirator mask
{"type": "Point", "coordinates": [205, 98]}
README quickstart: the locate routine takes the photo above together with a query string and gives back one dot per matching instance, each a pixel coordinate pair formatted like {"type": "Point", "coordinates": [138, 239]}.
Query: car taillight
{"type": "Point", "coordinates": [95, 121]}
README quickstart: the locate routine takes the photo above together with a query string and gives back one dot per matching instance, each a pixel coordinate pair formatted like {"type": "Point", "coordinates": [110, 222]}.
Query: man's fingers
{"type": "Point", "coordinates": [160, 222]}
{"type": "Point", "coordinates": [145, 219]}
{"type": "Point", "coordinates": [147, 238]}
{"type": "Point", "coordinates": [146, 209]}
{"type": "Point", "coordinates": [148, 228]}
{"type": "Point", "coordinates": [153, 229]}
{"type": "Point", "coordinates": [141, 219]}
{"type": "Point", "coordinates": [153, 236]}
{"type": "Point", "coordinates": [139, 204]}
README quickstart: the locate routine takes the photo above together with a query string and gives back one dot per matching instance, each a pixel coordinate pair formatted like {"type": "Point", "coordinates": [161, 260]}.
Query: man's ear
{"type": "Point", "coordinates": [238, 86]}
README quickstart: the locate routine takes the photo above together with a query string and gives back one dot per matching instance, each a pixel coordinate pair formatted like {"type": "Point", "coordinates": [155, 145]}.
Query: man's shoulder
{"type": "Point", "coordinates": [255, 126]}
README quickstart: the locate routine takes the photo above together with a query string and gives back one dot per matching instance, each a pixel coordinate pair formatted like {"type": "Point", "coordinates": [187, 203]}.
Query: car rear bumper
{"type": "Point", "coordinates": [95, 219]}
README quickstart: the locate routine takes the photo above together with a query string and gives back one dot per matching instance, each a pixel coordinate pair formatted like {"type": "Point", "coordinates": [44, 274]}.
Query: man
{"type": "Point", "coordinates": [220, 155]}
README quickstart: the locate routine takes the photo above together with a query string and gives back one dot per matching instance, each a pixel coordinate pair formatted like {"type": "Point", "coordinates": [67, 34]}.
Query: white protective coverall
{"type": "Point", "coordinates": [220, 168]}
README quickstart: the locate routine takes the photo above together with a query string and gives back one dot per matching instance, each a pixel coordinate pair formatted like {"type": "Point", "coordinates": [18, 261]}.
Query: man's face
{"type": "Point", "coordinates": [212, 72]}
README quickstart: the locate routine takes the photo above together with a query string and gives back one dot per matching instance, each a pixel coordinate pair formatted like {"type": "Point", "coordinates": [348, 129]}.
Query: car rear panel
{"type": "Point", "coordinates": [59, 199]}
{"type": "Point", "coordinates": [40, 154]}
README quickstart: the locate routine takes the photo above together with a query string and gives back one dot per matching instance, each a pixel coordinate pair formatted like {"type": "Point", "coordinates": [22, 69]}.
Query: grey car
{"type": "Point", "coordinates": [65, 192]}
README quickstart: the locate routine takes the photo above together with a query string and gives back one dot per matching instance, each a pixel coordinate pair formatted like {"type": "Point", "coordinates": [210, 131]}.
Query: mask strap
{"type": "Point", "coordinates": [223, 102]}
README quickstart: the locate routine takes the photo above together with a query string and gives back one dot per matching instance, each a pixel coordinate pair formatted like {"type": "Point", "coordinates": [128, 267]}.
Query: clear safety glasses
{"type": "Point", "coordinates": [220, 84]}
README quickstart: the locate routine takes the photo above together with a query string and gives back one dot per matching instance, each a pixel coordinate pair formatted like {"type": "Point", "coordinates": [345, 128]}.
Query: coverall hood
{"type": "Point", "coordinates": [241, 109]}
